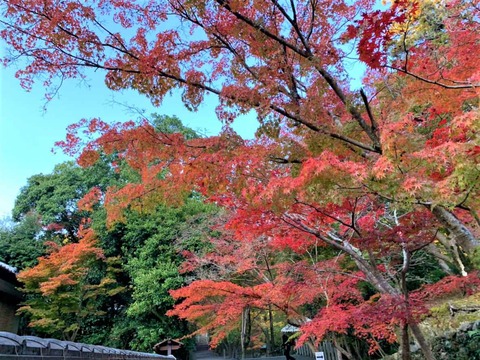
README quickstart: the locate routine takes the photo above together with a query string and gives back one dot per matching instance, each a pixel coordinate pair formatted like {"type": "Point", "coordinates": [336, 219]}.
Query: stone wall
{"type": "Point", "coordinates": [462, 344]}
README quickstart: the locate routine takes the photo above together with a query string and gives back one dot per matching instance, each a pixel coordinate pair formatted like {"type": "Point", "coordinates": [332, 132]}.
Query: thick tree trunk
{"type": "Point", "coordinates": [272, 333]}
{"type": "Point", "coordinates": [344, 353]}
{"type": "Point", "coordinates": [382, 284]}
{"type": "Point", "coordinates": [418, 334]}
{"type": "Point", "coordinates": [405, 336]}
{"type": "Point", "coordinates": [378, 279]}
{"type": "Point", "coordinates": [245, 333]}
{"type": "Point", "coordinates": [452, 247]}
{"type": "Point", "coordinates": [462, 235]}
{"type": "Point", "coordinates": [405, 343]}
{"type": "Point", "coordinates": [442, 259]}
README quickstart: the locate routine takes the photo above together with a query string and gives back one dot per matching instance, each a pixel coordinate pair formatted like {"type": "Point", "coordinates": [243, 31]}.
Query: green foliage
{"type": "Point", "coordinates": [424, 270]}
{"type": "Point", "coordinates": [154, 266]}
{"type": "Point", "coordinates": [20, 245]}
{"type": "Point", "coordinates": [54, 196]}
{"type": "Point", "coordinates": [64, 289]}
{"type": "Point", "coordinates": [172, 124]}
{"type": "Point", "coordinates": [149, 246]}
{"type": "Point", "coordinates": [51, 195]}
{"type": "Point", "coordinates": [475, 258]}
{"type": "Point", "coordinates": [121, 302]}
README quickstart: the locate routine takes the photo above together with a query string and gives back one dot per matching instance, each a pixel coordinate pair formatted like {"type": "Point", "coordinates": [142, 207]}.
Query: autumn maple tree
{"type": "Point", "coordinates": [61, 292]}
{"type": "Point", "coordinates": [378, 175]}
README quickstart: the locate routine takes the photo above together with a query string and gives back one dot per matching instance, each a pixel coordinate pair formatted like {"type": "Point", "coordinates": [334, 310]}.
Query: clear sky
{"type": "Point", "coordinates": [28, 132]}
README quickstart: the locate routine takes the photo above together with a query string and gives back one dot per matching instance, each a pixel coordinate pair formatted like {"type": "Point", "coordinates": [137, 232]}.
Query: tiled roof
{"type": "Point", "coordinates": [31, 347]}
{"type": "Point", "coordinates": [12, 269]}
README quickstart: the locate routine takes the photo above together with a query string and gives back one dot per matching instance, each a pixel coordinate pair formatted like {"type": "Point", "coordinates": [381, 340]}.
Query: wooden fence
{"type": "Point", "coordinates": [14, 347]}
{"type": "Point", "coordinates": [329, 352]}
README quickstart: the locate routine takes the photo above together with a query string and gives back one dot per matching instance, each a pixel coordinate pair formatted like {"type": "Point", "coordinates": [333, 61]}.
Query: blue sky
{"type": "Point", "coordinates": [28, 132]}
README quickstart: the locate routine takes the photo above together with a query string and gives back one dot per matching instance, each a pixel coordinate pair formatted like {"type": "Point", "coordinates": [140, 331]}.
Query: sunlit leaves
{"type": "Point", "coordinates": [371, 177]}
{"type": "Point", "coordinates": [60, 295]}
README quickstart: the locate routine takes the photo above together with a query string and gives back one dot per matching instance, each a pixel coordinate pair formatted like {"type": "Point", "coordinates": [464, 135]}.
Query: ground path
{"type": "Point", "coordinates": [203, 353]}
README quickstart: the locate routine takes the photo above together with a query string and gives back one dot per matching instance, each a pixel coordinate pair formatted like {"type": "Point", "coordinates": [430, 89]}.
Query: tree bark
{"type": "Point", "coordinates": [405, 343]}
{"type": "Point", "coordinates": [462, 235]}
{"type": "Point", "coordinates": [344, 352]}
{"type": "Point", "coordinates": [418, 334]}
{"type": "Point", "coordinates": [377, 279]}
{"type": "Point", "coordinates": [272, 334]}
{"type": "Point", "coordinates": [245, 333]}
{"type": "Point", "coordinates": [442, 259]}
{"type": "Point", "coordinates": [451, 246]}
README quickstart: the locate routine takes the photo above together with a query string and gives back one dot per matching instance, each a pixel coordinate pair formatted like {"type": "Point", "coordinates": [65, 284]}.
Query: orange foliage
{"type": "Point", "coordinates": [64, 265]}
{"type": "Point", "coordinates": [375, 175]}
